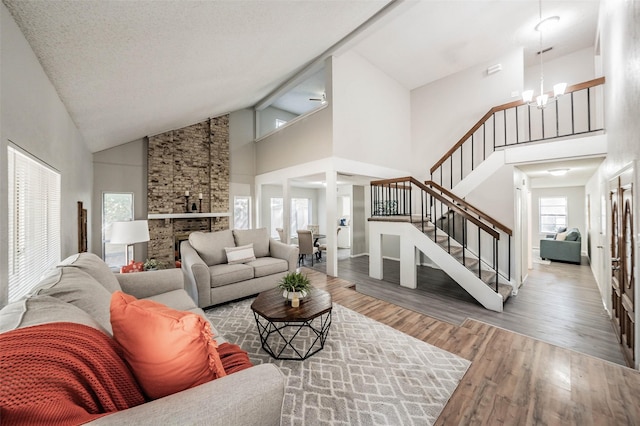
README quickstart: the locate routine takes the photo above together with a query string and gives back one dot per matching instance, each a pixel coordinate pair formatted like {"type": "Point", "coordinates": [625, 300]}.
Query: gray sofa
{"type": "Point", "coordinates": [211, 279]}
{"type": "Point", "coordinates": [566, 250]}
{"type": "Point", "coordinates": [79, 291]}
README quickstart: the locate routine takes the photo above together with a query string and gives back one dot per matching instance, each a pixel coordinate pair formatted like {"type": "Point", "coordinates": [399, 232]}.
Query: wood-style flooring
{"type": "Point", "coordinates": [559, 303]}
{"type": "Point", "coordinates": [513, 379]}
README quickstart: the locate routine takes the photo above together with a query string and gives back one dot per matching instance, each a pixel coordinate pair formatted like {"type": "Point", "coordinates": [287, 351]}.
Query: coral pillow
{"type": "Point", "coordinates": [168, 350]}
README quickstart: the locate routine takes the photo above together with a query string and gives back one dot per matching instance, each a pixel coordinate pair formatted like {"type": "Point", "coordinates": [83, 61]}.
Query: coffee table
{"type": "Point", "coordinates": [292, 333]}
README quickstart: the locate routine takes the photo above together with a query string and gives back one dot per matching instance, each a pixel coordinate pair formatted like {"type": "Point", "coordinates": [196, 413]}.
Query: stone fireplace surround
{"type": "Point", "coordinates": [194, 159]}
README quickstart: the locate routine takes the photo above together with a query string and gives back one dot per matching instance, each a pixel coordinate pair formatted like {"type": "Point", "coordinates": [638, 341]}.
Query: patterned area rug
{"type": "Point", "coordinates": [367, 373]}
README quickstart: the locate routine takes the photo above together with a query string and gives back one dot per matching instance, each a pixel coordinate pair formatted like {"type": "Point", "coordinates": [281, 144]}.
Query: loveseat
{"type": "Point", "coordinates": [79, 291]}
{"type": "Point", "coordinates": [226, 265]}
{"type": "Point", "coordinates": [564, 246]}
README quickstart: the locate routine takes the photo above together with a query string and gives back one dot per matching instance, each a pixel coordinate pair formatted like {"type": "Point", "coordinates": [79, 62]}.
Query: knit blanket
{"type": "Point", "coordinates": [62, 374]}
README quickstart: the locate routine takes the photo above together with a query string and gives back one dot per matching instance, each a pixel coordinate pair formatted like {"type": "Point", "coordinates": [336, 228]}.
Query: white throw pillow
{"type": "Point", "coordinates": [241, 254]}
{"type": "Point", "coordinates": [560, 236]}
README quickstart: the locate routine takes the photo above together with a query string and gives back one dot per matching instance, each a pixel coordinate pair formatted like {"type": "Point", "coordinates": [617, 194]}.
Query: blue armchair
{"type": "Point", "coordinates": [567, 250]}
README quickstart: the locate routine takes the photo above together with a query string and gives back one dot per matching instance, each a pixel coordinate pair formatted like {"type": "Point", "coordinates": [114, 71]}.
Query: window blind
{"type": "Point", "coordinates": [34, 221]}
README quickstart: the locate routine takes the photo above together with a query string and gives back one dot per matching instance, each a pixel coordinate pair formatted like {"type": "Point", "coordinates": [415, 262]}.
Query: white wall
{"type": "Point", "coordinates": [371, 114]}
{"type": "Point", "coordinates": [573, 68]}
{"type": "Point", "coordinates": [120, 169]}
{"type": "Point", "coordinates": [619, 47]}
{"type": "Point", "coordinates": [34, 118]}
{"type": "Point", "coordinates": [242, 161]}
{"type": "Point", "coordinates": [443, 111]}
{"type": "Point", "coordinates": [576, 211]}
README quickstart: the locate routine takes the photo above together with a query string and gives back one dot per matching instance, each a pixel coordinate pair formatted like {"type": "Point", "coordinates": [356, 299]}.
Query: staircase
{"type": "Point", "coordinates": [464, 242]}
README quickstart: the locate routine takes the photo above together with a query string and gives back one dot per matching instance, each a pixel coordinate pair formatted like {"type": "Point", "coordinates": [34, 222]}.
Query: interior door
{"type": "Point", "coordinates": [622, 263]}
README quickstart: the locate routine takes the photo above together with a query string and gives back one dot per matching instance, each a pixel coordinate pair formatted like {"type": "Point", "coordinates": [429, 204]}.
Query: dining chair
{"type": "Point", "coordinates": [315, 229]}
{"type": "Point", "coordinates": [283, 237]}
{"type": "Point", "coordinates": [323, 247]}
{"type": "Point", "coordinates": [305, 244]}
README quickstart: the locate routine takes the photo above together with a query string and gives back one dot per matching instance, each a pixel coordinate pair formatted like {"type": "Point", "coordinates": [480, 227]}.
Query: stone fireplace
{"type": "Point", "coordinates": [193, 159]}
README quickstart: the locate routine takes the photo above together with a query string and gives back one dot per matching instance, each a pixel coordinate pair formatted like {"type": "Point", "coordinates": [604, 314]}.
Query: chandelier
{"type": "Point", "coordinates": [558, 90]}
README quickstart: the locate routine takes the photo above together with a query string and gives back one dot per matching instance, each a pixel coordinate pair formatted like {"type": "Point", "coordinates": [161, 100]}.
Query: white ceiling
{"type": "Point", "coordinates": [128, 69]}
{"type": "Point", "coordinates": [580, 171]}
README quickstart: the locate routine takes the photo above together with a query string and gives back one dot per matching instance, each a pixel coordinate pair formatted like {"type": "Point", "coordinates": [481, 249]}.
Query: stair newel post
{"type": "Point", "coordinates": [464, 240]}
{"type": "Point", "coordinates": [479, 255]}
{"type": "Point", "coordinates": [495, 256]}
{"type": "Point", "coordinates": [509, 258]}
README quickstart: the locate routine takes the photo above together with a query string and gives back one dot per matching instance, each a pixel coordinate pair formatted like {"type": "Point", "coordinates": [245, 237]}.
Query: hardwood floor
{"type": "Point", "coordinates": [559, 303]}
{"type": "Point", "coordinates": [513, 379]}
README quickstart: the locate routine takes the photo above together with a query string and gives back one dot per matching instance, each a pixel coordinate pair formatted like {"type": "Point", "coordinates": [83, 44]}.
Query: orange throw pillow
{"type": "Point", "coordinates": [168, 350]}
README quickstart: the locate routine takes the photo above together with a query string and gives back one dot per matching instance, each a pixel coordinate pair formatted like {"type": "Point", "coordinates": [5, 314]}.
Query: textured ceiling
{"type": "Point", "coordinates": [433, 39]}
{"type": "Point", "coordinates": [131, 68]}
{"type": "Point", "coordinates": [127, 69]}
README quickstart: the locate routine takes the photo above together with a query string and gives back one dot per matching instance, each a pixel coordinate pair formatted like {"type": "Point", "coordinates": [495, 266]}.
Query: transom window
{"type": "Point", "coordinates": [553, 213]}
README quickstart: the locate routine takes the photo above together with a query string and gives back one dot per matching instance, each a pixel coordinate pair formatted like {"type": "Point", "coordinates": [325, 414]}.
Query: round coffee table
{"type": "Point", "coordinates": [292, 333]}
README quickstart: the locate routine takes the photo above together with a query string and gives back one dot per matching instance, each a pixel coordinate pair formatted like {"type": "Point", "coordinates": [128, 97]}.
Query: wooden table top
{"type": "Point", "coordinates": [272, 306]}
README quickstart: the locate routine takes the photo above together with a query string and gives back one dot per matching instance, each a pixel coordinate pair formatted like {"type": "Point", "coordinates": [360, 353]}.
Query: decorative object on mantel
{"type": "Point", "coordinates": [129, 233]}
{"type": "Point", "coordinates": [194, 208]}
{"type": "Point", "coordinates": [186, 201]}
{"type": "Point", "coordinates": [295, 286]}
{"type": "Point", "coordinates": [200, 199]}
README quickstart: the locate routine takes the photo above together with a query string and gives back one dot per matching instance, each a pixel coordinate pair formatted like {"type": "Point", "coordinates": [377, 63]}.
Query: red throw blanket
{"type": "Point", "coordinates": [62, 374]}
{"type": "Point", "coordinates": [233, 358]}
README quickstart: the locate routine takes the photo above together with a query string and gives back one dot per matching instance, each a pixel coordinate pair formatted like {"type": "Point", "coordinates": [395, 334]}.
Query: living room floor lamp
{"type": "Point", "coordinates": [129, 233]}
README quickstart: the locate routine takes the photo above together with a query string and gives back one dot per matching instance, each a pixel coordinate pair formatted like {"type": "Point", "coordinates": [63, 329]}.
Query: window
{"type": "Point", "coordinates": [553, 213]}
{"type": "Point", "coordinates": [34, 221]}
{"type": "Point", "coordinates": [241, 212]}
{"type": "Point", "coordinates": [280, 123]}
{"type": "Point", "coordinates": [276, 216]}
{"type": "Point", "coordinates": [116, 207]}
{"type": "Point", "coordinates": [300, 214]}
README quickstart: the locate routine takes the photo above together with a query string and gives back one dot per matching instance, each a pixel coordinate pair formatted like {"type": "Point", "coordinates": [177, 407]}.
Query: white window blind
{"type": "Point", "coordinates": [34, 221]}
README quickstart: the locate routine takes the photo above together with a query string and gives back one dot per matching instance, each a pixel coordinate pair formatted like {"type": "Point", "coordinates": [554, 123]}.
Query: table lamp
{"type": "Point", "coordinates": [129, 233]}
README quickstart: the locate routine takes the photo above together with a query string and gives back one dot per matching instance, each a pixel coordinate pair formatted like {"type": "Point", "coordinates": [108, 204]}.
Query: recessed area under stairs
{"type": "Point", "coordinates": [558, 304]}
{"type": "Point", "coordinates": [469, 260]}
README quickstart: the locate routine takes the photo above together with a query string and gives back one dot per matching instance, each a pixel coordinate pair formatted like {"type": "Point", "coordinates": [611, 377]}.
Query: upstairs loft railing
{"type": "Point", "coordinates": [577, 112]}
{"type": "Point", "coordinates": [423, 205]}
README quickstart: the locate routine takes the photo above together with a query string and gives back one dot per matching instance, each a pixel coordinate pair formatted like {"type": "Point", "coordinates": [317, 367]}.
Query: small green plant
{"type": "Point", "coordinates": [295, 282]}
{"type": "Point", "coordinates": [151, 265]}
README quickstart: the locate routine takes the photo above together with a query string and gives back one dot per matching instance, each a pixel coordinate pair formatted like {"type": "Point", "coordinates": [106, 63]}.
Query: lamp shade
{"type": "Point", "coordinates": [131, 232]}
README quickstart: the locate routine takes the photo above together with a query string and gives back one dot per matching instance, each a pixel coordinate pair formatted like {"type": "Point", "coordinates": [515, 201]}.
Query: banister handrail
{"type": "Point", "coordinates": [470, 207]}
{"type": "Point", "coordinates": [513, 104]}
{"type": "Point", "coordinates": [495, 234]}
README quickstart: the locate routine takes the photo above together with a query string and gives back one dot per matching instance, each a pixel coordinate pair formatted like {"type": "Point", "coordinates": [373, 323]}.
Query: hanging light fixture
{"type": "Point", "coordinates": [558, 89]}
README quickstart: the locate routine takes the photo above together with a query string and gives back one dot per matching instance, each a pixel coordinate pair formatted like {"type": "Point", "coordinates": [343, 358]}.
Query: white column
{"type": "Point", "coordinates": [286, 210]}
{"type": "Point", "coordinates": [375, 251]}
{"type": "Point", "coordinates": [408, 260]}
{"type": "Point", "coordinates": [332, 222]}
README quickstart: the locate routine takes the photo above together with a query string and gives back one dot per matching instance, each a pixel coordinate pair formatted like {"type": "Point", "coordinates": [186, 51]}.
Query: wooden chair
{"type": "Point", "coordinates": [305, 245]}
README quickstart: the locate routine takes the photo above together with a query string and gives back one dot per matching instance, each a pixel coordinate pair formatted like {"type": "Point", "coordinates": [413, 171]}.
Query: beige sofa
{"type": "Point", "coordinates": [79, 291]}
{"type": "Point", "coordinates": [211, 279]}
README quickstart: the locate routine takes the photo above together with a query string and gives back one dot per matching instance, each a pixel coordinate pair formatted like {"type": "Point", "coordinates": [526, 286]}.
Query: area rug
{"type": "Point", "coordinates": [367, 373]}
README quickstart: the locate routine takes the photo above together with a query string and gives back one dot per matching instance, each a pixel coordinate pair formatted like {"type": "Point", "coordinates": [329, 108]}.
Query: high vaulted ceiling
{"type": "Point", "coordinates": [128, 69]}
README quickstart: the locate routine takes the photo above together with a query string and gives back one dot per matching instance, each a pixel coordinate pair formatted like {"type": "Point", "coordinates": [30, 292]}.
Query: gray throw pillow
{"type": "Point", "coordinates": [572, 235]}
{"type": "Point", "coordinates": [94, 266]}
{"type": "Point", "coordinates": [75, 286]}
{"type": "Point", "coordinates": [258, 237]}
{"type": "Point", "coordinates": [210, 245]}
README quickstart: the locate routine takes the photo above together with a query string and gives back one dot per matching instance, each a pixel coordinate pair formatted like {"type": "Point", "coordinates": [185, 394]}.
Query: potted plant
{"type": "Point", "coordinates": [151, 265]}
{"type": "Point", "coordinates": [294, 285]}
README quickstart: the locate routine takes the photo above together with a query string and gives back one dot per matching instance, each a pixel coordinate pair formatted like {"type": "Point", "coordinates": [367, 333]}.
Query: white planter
{"type": "Point", "coordinates": [291, 294]}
